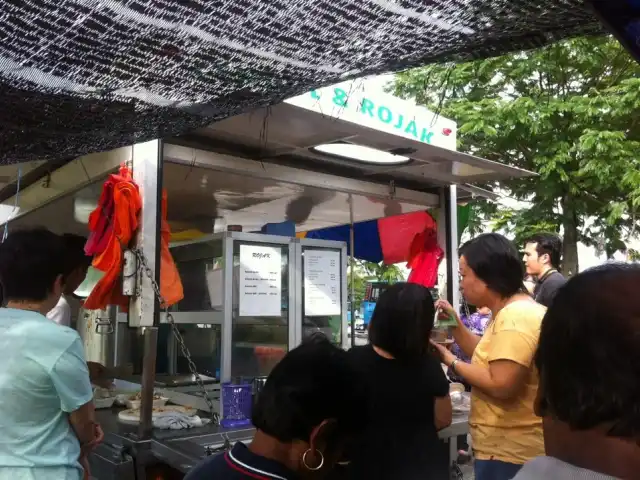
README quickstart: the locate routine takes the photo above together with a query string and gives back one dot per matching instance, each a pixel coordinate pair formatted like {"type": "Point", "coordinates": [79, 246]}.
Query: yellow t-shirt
{"type": "Point", "coordinates": [508, 430]}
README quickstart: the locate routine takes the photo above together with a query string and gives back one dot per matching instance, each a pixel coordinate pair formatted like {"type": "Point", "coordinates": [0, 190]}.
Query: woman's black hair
{"type": "Point", "coordinates": [495, 261]}
{"type": "Point", "coordinates": [402, 321]}
{"type": "Point", "coordinates": [589, 352]}
{"type": "Point", "coordinates": [312, 383]}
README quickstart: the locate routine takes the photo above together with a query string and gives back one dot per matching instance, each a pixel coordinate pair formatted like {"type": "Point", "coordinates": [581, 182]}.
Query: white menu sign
{"type": "Point", "coordinates": [321, 283]}
{"type": "Point", "coordinates": [260, 281]}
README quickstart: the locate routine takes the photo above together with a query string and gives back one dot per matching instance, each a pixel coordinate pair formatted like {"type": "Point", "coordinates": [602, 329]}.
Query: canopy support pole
{"type": "Point", "coordinates": [352, 264]}
{"type": "Point", "coordinates": [144, 308]}
{"type": "Point", "coordinates": [450, 200]}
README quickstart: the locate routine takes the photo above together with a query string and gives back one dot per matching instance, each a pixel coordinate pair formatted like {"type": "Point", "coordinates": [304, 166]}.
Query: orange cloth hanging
{"type": "Point", "coordinates": [170, 283]}
{"type": "Point", "coordinates": [113, 224]}
{"type": "Point", "coordinates": [124, 222]}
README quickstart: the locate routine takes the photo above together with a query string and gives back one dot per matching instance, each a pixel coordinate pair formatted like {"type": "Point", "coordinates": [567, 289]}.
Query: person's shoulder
{"type": "Point", "coordinates": [359, 353]}
{"type": "Point", "coordinates": [56, 338]}
{"type": "Point", "coordinates": [61, 313]}
{"type": "Point", "coordinates": [18, 315]}
{"type": "Point", "coordinates": [525, 306]}
{"type": "Point", "coordinates": [521, 314]}
{"type": "Point", "coordinates": [212, 467]}
{"type": "Point", "coordinates": [556, 279]}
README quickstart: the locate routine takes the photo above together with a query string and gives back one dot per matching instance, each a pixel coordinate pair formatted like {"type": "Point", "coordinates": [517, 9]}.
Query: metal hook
{"type": "Point", "coordinates": [392, 189]}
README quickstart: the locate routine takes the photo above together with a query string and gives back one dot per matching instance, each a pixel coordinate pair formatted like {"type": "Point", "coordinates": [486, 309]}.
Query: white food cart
{"type": "Point", "coordinates": [335, 156]}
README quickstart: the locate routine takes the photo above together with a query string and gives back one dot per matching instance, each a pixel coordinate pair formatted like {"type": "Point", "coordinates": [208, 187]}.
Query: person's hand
{"type": "Point", "coordinates": [98, 437]}
{"type": "Point", "coordinates": [84, 462]}
{"type": "Point", "coordinates": [445, 355]}
{"type": "Point", "coordinates": [445, 310]}
{"type": "Point", "coordinates": [99, 376]}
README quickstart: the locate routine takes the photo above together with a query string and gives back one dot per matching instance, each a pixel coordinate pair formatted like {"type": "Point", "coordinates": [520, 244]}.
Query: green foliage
{"type": "Point", "coordinates": [382, 273]}
{"type": "Point", "coordinates": [360, 286]}
{"type": "Point", "coordinates": [364, 272]}
{"type": "Point", "coordinates": [571, 113]}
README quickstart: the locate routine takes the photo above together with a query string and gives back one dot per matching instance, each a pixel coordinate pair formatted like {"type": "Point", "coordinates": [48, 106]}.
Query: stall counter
{"type": "Point", "coordinates": [179, 450]}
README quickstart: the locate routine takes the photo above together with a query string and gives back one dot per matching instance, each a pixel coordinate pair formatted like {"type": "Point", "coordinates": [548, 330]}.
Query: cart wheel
{"type": "Point", "coordinates": [456, 473]}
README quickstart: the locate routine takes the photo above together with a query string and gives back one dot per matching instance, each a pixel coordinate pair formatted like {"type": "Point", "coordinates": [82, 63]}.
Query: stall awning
{"type": "Point", "coordinates": [387, 239]}
{"type": "Point", "coordinates": [84, 76]}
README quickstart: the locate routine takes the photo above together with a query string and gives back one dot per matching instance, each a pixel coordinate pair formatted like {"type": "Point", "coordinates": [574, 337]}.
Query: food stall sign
{"type": "Point", "coordinates": [354, 102]}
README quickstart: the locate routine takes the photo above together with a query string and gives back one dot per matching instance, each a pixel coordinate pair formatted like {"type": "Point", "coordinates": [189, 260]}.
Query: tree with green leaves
{"type": "Point", "coordinates": [359, 286]}
{"type": "Point", "coordinates": [570, 113]}
{"type": "Point", "coordinates": [382, 272]}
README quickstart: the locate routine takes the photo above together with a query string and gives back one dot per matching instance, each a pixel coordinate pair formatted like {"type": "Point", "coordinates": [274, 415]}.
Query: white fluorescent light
{"type": "Point", "coordinates": [360, 153]}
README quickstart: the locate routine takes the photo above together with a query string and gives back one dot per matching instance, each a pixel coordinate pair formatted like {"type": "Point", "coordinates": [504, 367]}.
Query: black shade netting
{"type": "Point", "coordinates": [80, 76]}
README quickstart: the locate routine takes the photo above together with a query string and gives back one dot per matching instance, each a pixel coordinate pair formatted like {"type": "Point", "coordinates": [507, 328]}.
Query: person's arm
{"type": "Point", "coordinates": [503, 380]}
{"type": "Point", "coordinates": [70, 376]}
{"type": "Point", "coordinates": [510, 356]}
{"type": "Point", "coordinates": [439, 385]}
{"type": "Point", "coordinates": [443, 412]}
{"type": "Point", "coordinates": [99, 375]}
{"type": "Point", "coordinates": [464, 338]}
{"type": "Point", "coordinates": [83, 422]}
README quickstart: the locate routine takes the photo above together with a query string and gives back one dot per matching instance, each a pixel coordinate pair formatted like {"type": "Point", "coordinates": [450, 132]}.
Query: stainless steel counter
{"type": "Point", "coordinates": [459, 426]}
{"type": "Point", "coordinates": [121, 453]}
{"type": "Point", "coordinates": [122, 456]}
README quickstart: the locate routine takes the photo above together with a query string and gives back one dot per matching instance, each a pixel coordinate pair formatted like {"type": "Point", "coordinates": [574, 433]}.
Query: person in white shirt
{"type": "Point", "coordinates": [76, 264]}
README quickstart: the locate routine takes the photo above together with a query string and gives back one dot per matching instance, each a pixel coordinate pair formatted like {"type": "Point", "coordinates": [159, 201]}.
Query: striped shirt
{"type": "Point", "coordinates": [237, 464]}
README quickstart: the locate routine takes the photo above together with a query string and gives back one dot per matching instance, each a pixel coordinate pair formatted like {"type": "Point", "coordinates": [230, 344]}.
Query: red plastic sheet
{"type": "Point", "coordinates": [398, 233]}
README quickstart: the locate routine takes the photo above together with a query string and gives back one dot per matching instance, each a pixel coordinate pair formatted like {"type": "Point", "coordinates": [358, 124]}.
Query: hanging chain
{"type": "Point", "coordinates": [144, 266]}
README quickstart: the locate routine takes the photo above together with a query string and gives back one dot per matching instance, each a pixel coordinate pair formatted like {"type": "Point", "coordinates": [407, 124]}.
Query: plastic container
{"type": "Point", "coordinates": [236, 405]}
{"type": "Point", "coordinates": [456, 387]}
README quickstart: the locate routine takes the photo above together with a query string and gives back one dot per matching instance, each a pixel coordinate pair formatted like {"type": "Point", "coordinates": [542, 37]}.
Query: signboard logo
{"type": "Point", "coordinates": [382, 113]}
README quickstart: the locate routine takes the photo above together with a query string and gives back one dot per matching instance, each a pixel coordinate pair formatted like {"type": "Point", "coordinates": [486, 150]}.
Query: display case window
{"type": "Point", "coordinates": [260, 333]}
{"type": "Point", "coordinates": [322, 273]}
{"type": "Point", "coordinates": [200, 265]}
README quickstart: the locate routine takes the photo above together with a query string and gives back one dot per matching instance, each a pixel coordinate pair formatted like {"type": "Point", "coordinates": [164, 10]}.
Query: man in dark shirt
{"type": "Point", "coordinates": [542, 253]}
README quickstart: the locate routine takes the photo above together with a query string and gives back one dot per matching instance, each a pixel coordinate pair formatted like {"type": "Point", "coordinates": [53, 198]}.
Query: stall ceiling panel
{"type": "Point", "coordinates": [80, 76]}
{"type": "Point", "coordinates": [286, 130]}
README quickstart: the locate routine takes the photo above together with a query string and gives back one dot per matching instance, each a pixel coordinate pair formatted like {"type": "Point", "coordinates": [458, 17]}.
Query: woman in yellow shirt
{"type": "Point", "coordinates": [505, 431]}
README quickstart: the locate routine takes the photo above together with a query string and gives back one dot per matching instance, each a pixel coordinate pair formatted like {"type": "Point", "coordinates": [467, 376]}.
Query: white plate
{"type": "Point", "coordinates": [101, 403]}
{"type": "Point", "coordinates": [134, 404]}
{"type": "Point", "coordinates": [132, 416]}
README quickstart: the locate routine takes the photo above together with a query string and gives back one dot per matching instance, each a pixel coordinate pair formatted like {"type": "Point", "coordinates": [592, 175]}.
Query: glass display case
{"type": "Point", "coordinates": [322, 271]}
{"type": "Point", "coordinates": [249, 298]}
{"type": "Point", "coordinates": [260, 317]}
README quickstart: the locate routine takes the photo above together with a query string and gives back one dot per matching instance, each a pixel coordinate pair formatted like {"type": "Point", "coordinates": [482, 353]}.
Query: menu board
{"type": "Point", "coordinates": [260, 281]}
{"type": "Point", "coordinates": [321, 283]}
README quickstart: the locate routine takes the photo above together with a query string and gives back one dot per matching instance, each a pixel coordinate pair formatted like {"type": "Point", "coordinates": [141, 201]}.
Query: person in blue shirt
{"type": "Point", "coordinates": [47, 417]}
